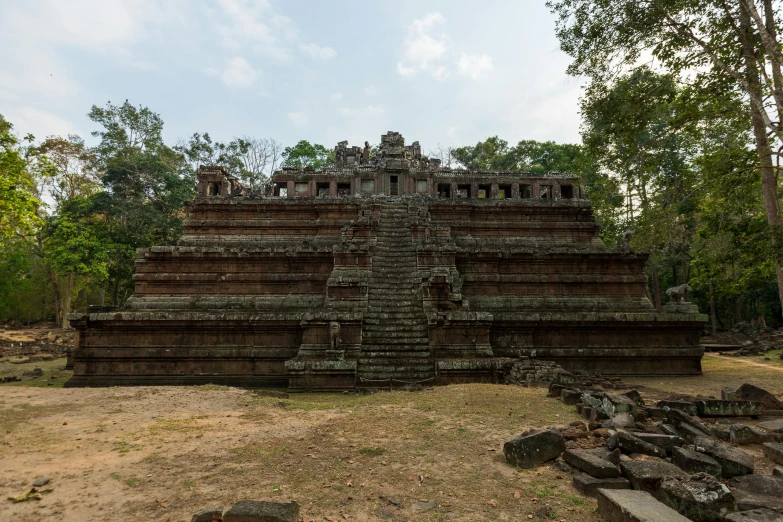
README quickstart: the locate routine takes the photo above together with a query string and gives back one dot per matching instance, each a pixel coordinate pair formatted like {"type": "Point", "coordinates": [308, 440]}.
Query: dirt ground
{"type": "Point", "coordinates": [161, 454]}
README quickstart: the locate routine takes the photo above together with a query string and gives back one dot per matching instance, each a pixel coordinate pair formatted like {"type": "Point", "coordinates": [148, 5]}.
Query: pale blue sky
{"type": "Point", "coordinates": [445, 72]}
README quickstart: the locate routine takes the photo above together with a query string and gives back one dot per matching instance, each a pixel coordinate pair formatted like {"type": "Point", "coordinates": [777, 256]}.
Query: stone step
{"type": "Point", "coordinates": [422, 328]}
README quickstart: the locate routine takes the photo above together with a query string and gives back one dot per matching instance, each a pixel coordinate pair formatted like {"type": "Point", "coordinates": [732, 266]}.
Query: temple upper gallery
{"type": "Point", "coordinates": [388, 268]}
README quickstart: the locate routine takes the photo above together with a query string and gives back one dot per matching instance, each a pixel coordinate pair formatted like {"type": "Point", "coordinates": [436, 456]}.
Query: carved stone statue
{"type": "Point", "coordinates": [678, 293]}
{"type": "Point", "coordinates": [334, 335]}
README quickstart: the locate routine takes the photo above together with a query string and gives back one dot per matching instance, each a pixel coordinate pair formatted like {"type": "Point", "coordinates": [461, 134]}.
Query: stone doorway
{"type": "Point", "coordinates": [393, 191]}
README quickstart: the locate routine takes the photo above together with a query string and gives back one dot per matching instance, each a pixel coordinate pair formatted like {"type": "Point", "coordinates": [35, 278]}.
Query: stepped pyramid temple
{"type": "Point", "coordinates": [383, 271]}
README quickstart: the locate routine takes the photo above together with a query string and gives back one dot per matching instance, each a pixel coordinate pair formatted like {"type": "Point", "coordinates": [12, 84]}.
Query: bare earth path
{"type": "Point", "coordinates": [161, 454]}
{"type": "Point", "coordinates": [157, 454]}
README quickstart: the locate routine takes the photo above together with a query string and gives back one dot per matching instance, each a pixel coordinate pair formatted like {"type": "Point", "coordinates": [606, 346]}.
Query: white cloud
{"type": "Point", "coordinates": [300, 119]}
{"type": "Point", "coordinates": [369, 110]}
{"type": "Point", "coordinates": [428, 49]}
{"type": "Point", "coordinates": [318, 52]}
{"type": "Point", "coordinates": [424, 44]}
{"type": "Point", "coordinates": [40, 123]}
{"type": "Point", "coordinates": [474, 65]}
{"type": "Point", "coordinates": [334, 98]}
{"type": "Point", "coordinates": [237, 73]}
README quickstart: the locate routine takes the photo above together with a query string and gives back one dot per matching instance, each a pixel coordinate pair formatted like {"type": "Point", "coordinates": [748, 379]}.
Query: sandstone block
{"type": "Point", "coordinates": [590, 463]}
{"type": "Point", "coordinates": [750, 500]}
{"type": "Point", "coordinates": [686, 406]}
{"type": "Point", "coordinates": [695, 462]}
{"type": "Point", "coordinates": [733, 462]}
{"type": "Point", "coordinates": [716, 408]}
{"type": "Point", "coordinates": [667, 442]}
{"type": "Point", "coordinates": [773, 451]}
{"type": "Point", "coordinates": [744, 435]}
{"type": "Point", "coordinates": [589, 486]}
{"type": "Point", "coordinates": [634, 506]}
{"type": "Point", "coordinates": [749, 392]}
{"type": "Point", "coordinates": [570, 397]}
{"type": "Point", "coordinates": [755, 515]}
{"type": "Point", "coordinates": [773, 425]}
{"type": "Point", "coordinates": [646, 475]}
{"type": "Point", "coordinates": [701, 498]}
{"type": "Point", "coordinates": [628, 444]}
{"type": "Point", "coordinates": [260, 511]}
{"type": "Point", "coordinates": [535, 448]}
{"type": "Point", "coordinates": [759, 484]}
{"type": "Point", "coordinates": [208, 515]}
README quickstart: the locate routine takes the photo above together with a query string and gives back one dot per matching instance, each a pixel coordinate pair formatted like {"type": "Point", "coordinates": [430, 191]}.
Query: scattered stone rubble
{"type": "Point", "coordinates": [677, 460]}
{"type": "Point", "coordinates": [251, 511]}
{"type": "Point", "coordinates": [527, 371]}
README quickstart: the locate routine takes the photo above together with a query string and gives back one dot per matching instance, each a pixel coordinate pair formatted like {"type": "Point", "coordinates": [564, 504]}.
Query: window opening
{"type": "Point", "coordinates": [546, 192]}
{"type": "Point", "coordinates": [504, 191]}
{"type": "Point", "coordinates": [322, 189]}
{"type": "Point", "coordinates": [343, 189]}
{"type": "Point", "coordinates": [525, 191]}
{"type": "Point", "coordinates": [567, 191]}
{"type": "Point", "coordinates": [463, 191]}
{"type": "Point", "coordinates": [368, 186]}
{"type": "Point", "coordinates": [444, 190]}
{"type": "Point", "coordinates": [484, 191]}
{"type": "Point", "coordinates": [300, 189]}
{"type": "Point", "coordinates": [421, 186]}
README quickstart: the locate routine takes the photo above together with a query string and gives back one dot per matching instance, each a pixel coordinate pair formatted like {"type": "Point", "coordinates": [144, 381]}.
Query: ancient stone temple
{"type": "Point", "coordinates": [384, 270]}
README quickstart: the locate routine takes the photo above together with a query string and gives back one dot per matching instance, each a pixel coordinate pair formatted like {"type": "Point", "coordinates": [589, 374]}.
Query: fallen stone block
{"type": "Point", "coordinates": [773, 425]}
{"type": "Point", "coordinates": [646, 475]}
{"type": "Point", "coordinates": [749, 392]}
{"type": "Point", "coordinates": [720, 432]}
{"type": "Point", "coordinates": [635, 396]}
{"type": "Point", "coordinates": [691, 433]}
{"type": "Point", "coordinates": [260, 511]}
{"type": "Point", "coordinates": [716, 408]}
{"type": "Point", "coordinates": [686, 406]}
{"type": "Point", "coordinates": [628, 444]}
{"type": "Point", "coordinates": [695, 462]}
{"type": "Point", "coordinates": [570, 397]}
{"type": "Point", "coordinates": [667, 442]}
{"type": "Point", "coordinates": [728, 394]}
{"type": "Point", "coordinates": [587, 412]}
{"type": "Point", "coordinates": [743, 435]}
{"type": "Point", "coordinates": [733, 462]}
{"type": "Point", "coordinates": [555, 389]}
{"type": "Point", "coordinates": [669, 429]}
{"type": "Point", "coordinates": [680, 417]}
{"type": "Point", "coordinates": [622, 420]}
{"type": "Point", "coordinates": [617, 505]}
{"type": "Point", "coordinates": [701, 498]}
{"type": "Point", "coordinates": [777, 471]}
{"type": "Point", "coordinates": [755, 515]}
{"type": "Point", "coordinates": [591, 463]}
{"type": "Point", "coordinates": [534, 448]}
{"type": "Point", "coordinates": [656, 413]}
{"type": "Point", "coordinates": [759, 484]}
{"type": "Point", "coordinates": [589, 486]}
{"type": "Point", "coordinates": [208, 515]}
{"type": "Point", "coordinates": [747, 500]}
{"type": "Point", "coordinates": [773, 451]}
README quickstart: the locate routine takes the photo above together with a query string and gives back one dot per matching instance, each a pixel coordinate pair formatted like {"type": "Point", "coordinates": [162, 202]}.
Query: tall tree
{"type": "Point", "coordinates": [306, 154]}
{"type": "Point", "coordinates": [713, 45]}
{"type": "Point", "coordinates": [18, 203]}
{"type": "Point", "coordinates": [145, 185]}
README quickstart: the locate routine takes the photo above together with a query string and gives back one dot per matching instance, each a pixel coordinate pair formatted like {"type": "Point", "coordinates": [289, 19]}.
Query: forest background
{"type": "Point", "coordinates": [681, 143]}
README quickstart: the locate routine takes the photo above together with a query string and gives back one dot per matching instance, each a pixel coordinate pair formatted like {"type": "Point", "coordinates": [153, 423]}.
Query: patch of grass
{"type": "Point", "coordinates": [123, 448]}
{"type": "Point", "coordinates": [12, 417]}
{"type": "Point", "coordinates": [116, 476]}
{"type": "Point", "coordinates": [258, 452]}
{"type": "Point", "coordinates": [132, 482]}
{"type": "Point", "coordinates": [180, 425]}
{"type": "Point", "coordinates": [372, 452]}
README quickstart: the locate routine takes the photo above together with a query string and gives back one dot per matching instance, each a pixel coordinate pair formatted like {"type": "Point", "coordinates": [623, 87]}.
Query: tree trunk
{"type": "Point", "coordinates": [769, 185]}
{"type": "Point", "coordinates": [656, 288]}
{"type": "Point", "coordinates": [65, 306]}
{"type": "Point", "coordinates": [713, 315]}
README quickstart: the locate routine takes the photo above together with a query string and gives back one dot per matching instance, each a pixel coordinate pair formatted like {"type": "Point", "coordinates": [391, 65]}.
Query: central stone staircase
{"type": "Point", "coordinates": [394, 336]}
